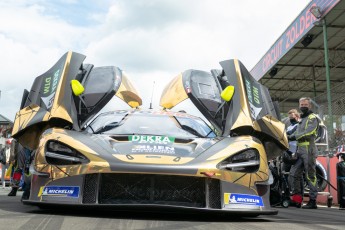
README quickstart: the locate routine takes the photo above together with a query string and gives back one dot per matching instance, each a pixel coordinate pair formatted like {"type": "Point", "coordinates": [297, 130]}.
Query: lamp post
{"type": "Point", "coordinates": [315, 10]}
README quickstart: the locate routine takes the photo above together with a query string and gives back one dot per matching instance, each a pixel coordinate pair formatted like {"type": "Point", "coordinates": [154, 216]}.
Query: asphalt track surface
{"type": "Point", "coordinates": [14, 215]}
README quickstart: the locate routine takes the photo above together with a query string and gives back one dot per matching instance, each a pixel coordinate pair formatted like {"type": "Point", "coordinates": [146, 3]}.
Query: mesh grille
{"type": "Point", "coordinates": [90, 188]}
{"type": "Point", "coordinates": [214, 194]}
{"type": "Point", "coordinates": [152, 189]}
{"type": "Point", "coordinates": [125, 188]}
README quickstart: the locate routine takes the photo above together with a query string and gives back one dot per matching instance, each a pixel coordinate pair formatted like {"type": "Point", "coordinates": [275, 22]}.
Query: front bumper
{"type": "Point", "coordinates": [148, 192]}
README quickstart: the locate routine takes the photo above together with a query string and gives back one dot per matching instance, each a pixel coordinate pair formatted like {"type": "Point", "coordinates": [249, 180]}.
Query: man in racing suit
{"type": "Point", "coordinates": [306, 153]}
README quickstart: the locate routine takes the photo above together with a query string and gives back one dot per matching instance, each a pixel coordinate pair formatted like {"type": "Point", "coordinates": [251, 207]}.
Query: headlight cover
{"type": "Point", "coordinates": [58, 153]}
{"type": "Point", "coordinates": [246, 161]}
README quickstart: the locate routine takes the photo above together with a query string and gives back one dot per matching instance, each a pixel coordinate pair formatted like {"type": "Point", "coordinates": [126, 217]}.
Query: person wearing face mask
{"type": "Point", "coordinates": [291, 127]}
{"type": "Point", "coordinates": [289, 157]}
{"type": "Point", "coordinates": [305, 135]}
{"type": "Point", "coordinates": [294, 119]}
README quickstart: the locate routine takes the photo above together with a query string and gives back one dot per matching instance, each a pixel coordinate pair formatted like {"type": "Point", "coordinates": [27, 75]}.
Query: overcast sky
{"type": "Point", "coordinates": [151, 40]}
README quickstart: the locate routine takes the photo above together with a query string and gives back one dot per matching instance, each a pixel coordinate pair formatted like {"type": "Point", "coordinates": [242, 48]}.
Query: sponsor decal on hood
{"type": "Point", "coordinates": [144, 139]}
{"type": "Point", "coordinates": [153, 149]}
{"type": "Point", "coordinates": [152, 144]}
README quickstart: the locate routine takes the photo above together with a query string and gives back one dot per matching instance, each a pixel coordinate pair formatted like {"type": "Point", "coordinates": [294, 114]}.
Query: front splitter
{"type": "Point", "coordinates": [153, 208]}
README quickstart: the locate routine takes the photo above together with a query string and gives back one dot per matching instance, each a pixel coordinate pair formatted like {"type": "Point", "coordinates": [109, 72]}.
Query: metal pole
{"type": "Point", "coordinates": [314, 81]}
{"type": "Point", "coordinates": [329, 99]}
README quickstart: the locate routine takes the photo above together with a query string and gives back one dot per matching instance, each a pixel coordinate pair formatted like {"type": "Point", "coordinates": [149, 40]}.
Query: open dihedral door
{"type": "Point", "coordinates": [249, 112]}
{"type": "Point", "coordinates": [51, 102]}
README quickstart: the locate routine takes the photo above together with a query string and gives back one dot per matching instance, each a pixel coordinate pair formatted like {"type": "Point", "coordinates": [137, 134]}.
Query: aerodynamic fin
{"type": "Point", "coordinates": [52, 103]}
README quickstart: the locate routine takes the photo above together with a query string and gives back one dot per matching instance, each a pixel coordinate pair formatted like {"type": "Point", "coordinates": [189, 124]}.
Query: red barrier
{"type": "Point", "coordinates": [332, 178]}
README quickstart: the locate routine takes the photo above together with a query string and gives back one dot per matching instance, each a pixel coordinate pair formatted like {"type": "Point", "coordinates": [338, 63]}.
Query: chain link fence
{"type": "Point", "coordinates": [337, 138]}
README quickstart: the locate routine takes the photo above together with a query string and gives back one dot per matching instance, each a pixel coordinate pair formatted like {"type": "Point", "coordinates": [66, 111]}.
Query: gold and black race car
{"type": "Point", "coordinates": [151, 159]}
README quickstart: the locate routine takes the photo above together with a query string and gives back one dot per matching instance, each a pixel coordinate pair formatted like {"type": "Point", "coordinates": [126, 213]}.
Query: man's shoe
{"type": "Point", "coordinates": [296, 200]}
{"type": "Point", "coordinates": [13, 192]}
{"type": "Point", "coordinates": [26, 195]}
{"type": "Point", "coordinates": [310, 205]}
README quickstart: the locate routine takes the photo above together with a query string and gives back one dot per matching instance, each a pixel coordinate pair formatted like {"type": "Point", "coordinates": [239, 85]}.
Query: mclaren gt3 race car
{"type": "Point", "coordinates": [150, 159]}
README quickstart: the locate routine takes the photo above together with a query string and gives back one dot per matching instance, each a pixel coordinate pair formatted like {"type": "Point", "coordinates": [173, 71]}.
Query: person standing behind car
{"type": "Point", "coordinates": [21, 165]}
{"type": "Point", "coordinates": [294, 118]}
{"type": "Point", "coordinates": [5, 157]}
{"type": "Point", "coordinates": [306, 153]}
{"type": "Point", "coordinates": [289, 156]}
{"type": "Point", "coordinates": [2, 160]}
{"type": "Point", "coordinates": [17, 160]}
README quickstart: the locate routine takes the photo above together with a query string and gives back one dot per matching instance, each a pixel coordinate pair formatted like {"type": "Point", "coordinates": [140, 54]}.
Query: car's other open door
{"type": "Point", "coordinates": [250, 111]}
{"type": "Point", "coordinates": [202, 89]}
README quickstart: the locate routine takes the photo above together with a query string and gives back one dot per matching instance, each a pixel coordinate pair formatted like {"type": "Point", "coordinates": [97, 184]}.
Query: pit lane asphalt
{"type": "Point", "coordinates": [14, 215]}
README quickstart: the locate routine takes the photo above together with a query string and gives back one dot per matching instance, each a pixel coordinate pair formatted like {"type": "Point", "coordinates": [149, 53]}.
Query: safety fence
{"type": "Point", "coordinates": [337, 138]}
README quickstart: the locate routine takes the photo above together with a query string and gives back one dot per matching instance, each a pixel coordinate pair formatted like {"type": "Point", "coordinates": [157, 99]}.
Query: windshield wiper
{"type": "Point", "coordinates": [111, 125]}
{"type": "Point", "coordinates": [211, 131]}
{"type": "Point", "coordinates": [107, 127]}
{"type": "Point", "coordinates": [191, 130]}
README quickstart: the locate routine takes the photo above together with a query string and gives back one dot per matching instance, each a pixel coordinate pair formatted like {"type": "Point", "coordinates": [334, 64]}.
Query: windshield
{"type": "Point", "coordinates": [127, 123]}
{"type": "Point", "coordinates": [195, 126]}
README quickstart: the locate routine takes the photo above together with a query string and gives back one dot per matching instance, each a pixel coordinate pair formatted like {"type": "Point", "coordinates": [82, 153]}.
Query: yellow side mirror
{"type": "Point", "coordinates": [77, 87]}
{"type": "Point", "coordinates": [228, 93]}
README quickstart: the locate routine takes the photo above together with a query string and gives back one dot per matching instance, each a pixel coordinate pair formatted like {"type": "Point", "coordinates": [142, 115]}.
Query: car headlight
{"type": "Point", "coordinates": [58, 153]}
{"type": "Point", "coordinates": [245, 161]}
